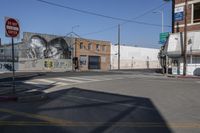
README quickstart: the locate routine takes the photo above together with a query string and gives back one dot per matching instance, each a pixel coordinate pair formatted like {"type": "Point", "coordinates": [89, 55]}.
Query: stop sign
{"type": "Point", "coordinates": [12, 28]}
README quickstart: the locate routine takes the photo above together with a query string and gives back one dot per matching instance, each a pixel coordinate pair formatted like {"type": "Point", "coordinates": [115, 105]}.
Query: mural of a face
{"type": "Point", "coordinates": [36, 48]}
{"type": "Point", "coordinates": [39, 48]}
{"type": "Point", "coordinates": [53, 52]}
{"type": "Point", "coordinates": [56, 48]}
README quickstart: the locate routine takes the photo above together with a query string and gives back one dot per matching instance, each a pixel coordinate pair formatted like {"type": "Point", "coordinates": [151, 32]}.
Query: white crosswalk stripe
{"type": "Point", "coordinates": [69, 80]}
{"type": "Point", "coordinates": [64, 81]}
{"type": "Point", "coordinates": [84, 78]}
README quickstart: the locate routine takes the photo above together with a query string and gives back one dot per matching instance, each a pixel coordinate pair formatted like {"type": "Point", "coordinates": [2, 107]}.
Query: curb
{"type": "Point", "coordinates": [25, 97]}
{"type": "Point", "coordinates": [8, 98]}
{"type": "Point", "coordinates": [189, 77]}
{"type": "Point", "coordinates": [183, 77]}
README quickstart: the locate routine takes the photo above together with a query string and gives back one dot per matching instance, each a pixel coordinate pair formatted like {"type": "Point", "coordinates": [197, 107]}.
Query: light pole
{"type": "Point", "coordinates": [162, 18]}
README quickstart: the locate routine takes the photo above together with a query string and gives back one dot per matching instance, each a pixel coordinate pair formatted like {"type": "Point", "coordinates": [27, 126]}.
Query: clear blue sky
{"type": "Point", "coordinates": [39, 17]}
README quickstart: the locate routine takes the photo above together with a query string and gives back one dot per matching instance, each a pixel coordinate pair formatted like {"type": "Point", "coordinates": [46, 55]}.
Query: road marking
{"type": "Point", "coordinates": [46, 80]}
{"type": "Point", "coordinates": [69, 80]}
{"type": "Point", "coordinates": [36, 116]}
{"type": "Point", "coordinates": [41, 82]}
{"type": "Point", "coordinates": [84, 78]}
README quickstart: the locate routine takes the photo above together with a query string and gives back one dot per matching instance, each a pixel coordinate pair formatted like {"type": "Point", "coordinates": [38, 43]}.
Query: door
{"type": "Point", "coordinates": [94, 62]}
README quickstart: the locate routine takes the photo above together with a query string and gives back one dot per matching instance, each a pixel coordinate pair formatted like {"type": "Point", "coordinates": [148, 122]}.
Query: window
{"type": "Point", "coordinates": [97, 47]}
{"type": "Point", "coordinates": [196, 13]}
{"type": "Point", "coordinates": [103, 48]}
{"type": "Point", "coordinates": [81, 45]}
{"type": "Point", "coordinates": [89, 46]}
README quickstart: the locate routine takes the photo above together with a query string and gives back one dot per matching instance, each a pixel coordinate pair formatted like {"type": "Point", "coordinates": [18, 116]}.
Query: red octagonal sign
{"type": "Point", "coordinates": [12, 28]}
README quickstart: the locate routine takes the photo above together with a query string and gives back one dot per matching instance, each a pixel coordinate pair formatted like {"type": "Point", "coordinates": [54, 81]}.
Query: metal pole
{"type": "Point", "coordinates": [185, 41]}
{"type": "Point", "coordinates": [119, 47]}
{"type": "Point", "coordinates": [173, 6]}
{"type": "Point", "coordinates": [162, 21]}
{"type": "Point", "coordinates": [13, 66]}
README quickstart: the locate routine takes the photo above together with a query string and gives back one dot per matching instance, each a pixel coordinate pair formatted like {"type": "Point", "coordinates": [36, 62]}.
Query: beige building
{"type": "Point", "coordinates": [92, 54]}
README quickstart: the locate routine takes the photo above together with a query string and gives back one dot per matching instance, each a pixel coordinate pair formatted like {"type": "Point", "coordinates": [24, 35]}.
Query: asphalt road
{"type": "Point", "coordinates": [116, 102]}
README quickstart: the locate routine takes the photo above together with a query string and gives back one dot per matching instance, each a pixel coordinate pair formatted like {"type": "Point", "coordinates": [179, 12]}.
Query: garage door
{"type": "Point", "coordinates": [94, 62]}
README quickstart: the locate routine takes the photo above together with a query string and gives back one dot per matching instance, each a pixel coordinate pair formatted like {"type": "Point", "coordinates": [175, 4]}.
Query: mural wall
{"type": "Point", "coordinates": [45, 52]}
{"type": "Point", "coordinates": [38, 48]}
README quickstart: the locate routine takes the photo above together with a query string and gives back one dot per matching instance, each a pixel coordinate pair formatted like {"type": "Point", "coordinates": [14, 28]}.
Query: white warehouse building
{"type": "Point", "coordinates": [134, 57]}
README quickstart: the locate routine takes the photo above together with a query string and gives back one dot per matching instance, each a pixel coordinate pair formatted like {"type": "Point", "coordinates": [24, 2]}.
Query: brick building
{"type": "Point", "coordinates": [193, 15]}
{"type": "Point", "coordinates": [92, 54]}
{"type": "Point", "coordinates": [175, 44]}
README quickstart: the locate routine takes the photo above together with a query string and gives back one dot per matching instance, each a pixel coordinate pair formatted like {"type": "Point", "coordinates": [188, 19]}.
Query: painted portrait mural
{"type": "Point", "coordinates": [39, 48]}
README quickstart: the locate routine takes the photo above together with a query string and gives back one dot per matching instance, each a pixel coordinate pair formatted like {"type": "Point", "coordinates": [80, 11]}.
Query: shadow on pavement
{"type": "Point", "coordinates": [77, 110]}
{"type": "Point", "coordinates": [19, 77]}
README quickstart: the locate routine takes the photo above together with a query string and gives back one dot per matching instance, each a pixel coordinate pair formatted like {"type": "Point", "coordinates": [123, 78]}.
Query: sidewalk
{"type": "Point", "coordinates": [183, 77]}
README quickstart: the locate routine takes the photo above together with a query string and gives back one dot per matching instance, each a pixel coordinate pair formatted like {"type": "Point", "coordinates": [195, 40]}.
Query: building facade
{"type": "Point", "coordinates": [175, 44]}
{"type": "Point", "coordinates": [193, 15]}
{"type": "Point", "coordinates": [44, 52]}
{"type": "Point", "coordinates": [92, 54]}
{"type": "Point", "coordinates": [134, 57]}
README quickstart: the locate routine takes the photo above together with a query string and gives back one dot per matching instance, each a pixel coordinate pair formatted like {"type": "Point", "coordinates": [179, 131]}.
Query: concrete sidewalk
{"type": "Point", "coordinates": [183, 77]}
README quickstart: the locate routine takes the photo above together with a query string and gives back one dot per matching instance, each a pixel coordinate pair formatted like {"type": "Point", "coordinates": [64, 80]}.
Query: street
{"type": "Point", "coordinates": [115, 101]}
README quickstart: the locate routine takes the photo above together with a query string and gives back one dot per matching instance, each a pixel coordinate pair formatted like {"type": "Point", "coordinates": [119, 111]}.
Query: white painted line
{"type": "Point", "coordinates": [61, 83]}
{"type": "Point", "coordinates": [69, 80]}
{"type": "Point", "coordinates": [31, 82]}
{"type": "Point", "coordinates": [35, 84]}
{"type": "Point", "coordinates": [45, 80]}
{"type": "Point", "coordinates": [84, 78]}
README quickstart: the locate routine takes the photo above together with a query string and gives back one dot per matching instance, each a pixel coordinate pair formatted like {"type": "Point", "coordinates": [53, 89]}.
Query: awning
{"type": "Point", "coordinates": [175, 44]}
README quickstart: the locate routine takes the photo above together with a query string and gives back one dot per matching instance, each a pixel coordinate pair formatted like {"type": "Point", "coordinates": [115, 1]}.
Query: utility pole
{"type": "Point", "coordinates": [185, 40]}
{"type": "Point", "coordinates": [173, 6]}
{"type": "Point", "coordinates": [118, 46]}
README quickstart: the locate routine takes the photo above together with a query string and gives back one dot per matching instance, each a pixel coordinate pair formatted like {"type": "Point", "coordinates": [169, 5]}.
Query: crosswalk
{"type": "Point", "coordinates": [67, 81]}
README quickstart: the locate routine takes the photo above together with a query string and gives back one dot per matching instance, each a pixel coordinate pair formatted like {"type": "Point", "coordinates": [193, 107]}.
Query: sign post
{"type": "Point", "coordinates": [12, 30]}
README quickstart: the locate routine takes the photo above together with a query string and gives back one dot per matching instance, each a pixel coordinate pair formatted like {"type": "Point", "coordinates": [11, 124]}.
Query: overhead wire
{"type": "Point", "coordinates": [97, 14]}
{"type": "Point", "coordinates": [139, 16]}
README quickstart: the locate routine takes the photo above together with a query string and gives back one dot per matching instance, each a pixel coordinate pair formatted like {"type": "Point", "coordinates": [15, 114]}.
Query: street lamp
{"type": "Point", "coordinates": [161, 12]}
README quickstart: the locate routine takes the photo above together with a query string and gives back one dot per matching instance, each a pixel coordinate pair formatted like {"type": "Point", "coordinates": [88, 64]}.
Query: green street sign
{"type": "Point", "coordinates": [163, 37]}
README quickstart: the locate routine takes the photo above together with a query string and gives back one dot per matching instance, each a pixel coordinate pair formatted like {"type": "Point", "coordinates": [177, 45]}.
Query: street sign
{"type": "Point", "coordinates": [12, 30]}
{"type": "Point", "coordinates": [12, 27]}
{"type": "Point", "coordinates": [163, 37]}
{"type": "Point", "coordinates": [178, 13]}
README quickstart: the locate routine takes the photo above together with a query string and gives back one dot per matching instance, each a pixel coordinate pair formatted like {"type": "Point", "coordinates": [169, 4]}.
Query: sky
{"type": "Point", "coordinates": [39, 17]}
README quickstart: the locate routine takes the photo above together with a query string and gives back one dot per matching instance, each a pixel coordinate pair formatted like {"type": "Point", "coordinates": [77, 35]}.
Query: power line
{"type": "Point", "coordinates": [100, 15]}
{"type": "Point", "coordinates": [139, 16]}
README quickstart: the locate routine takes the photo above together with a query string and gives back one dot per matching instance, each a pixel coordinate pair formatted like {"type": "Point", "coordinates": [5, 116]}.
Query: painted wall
{"type": "Point", "coordinates": [134, 57]}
